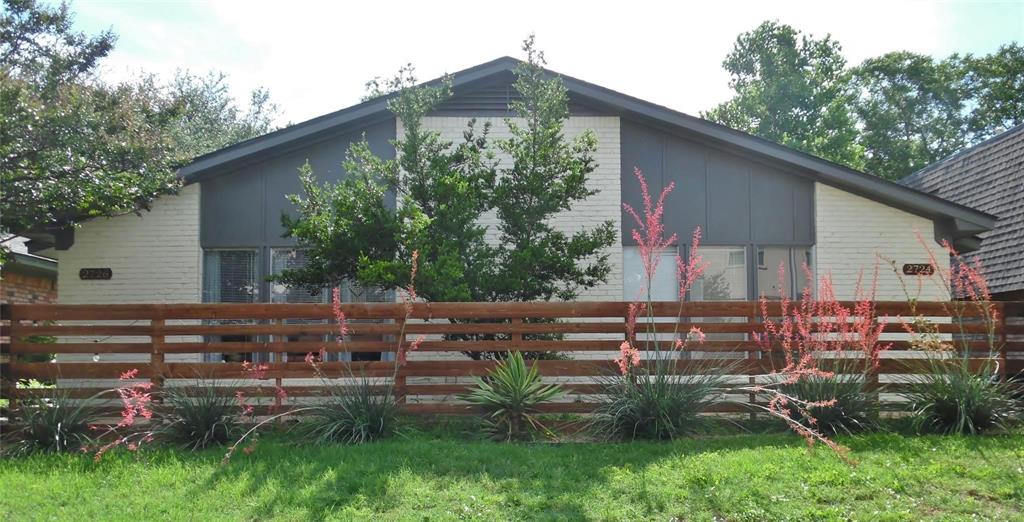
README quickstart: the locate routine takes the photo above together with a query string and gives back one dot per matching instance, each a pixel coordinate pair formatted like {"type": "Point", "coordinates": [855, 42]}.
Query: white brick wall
{"type": "Point", "coordinates": [603, 206]}
{"type": "Point", "coordinates": [852, 231]}
{"type": "Point", "coordinates": [155, 258]}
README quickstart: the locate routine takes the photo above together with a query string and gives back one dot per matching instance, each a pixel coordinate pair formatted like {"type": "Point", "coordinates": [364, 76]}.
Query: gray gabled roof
{"type": "Point", "coordinates": [960, 221]}
{"type": "Point", "coordinates": [990, 177]}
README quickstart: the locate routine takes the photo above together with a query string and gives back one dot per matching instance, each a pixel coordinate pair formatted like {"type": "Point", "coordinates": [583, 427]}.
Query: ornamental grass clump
{"type": "Point", "coordinates": [509, 397]}
{"type": "Point", "coordinates": [59, 424]}
{"type": "Point", "coordinates": [198, 416]}
{"type": "Point", "coordinates": [956, 390]}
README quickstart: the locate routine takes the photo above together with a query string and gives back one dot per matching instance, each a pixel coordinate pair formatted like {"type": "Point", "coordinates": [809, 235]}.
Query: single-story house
{"type": "Point", "coordinates": [758, 203]}
{"type": "Point", "coordinates": [28, 279]}
{"type": "Point", "coordinates": [989, 177]}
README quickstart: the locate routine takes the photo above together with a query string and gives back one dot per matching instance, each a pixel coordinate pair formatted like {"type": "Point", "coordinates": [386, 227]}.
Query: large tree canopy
{"type": "Point", "coordinates": [791, 89]}
{"type": "Point", "coordinates": [351, 231]}
{"type": "Point", "coordinates": [891, 115]}
{"type": "Point", "coordinates": [73, 146]}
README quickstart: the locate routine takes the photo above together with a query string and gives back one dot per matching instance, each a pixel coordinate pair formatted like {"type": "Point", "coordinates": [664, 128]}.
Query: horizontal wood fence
{"type": "Point", "coordinates": [85, 348]}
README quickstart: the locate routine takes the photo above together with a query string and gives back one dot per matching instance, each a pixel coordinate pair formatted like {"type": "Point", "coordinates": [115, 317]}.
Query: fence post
{"type": "Point", "coordinates": [399, 384]}
{"type": "Point", "coordinates": [752, 357]}
{"type": "Point", "coordinates": [156, 358]}
{"type": "Point", "coordinates": [1002, 338]}
{"type": "Point", "coordinates": [8, 386]}
{"type": "Point", "coordinates": [280, 357]}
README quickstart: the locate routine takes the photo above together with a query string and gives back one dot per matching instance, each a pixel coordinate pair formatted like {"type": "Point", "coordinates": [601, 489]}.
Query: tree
{"type": "Point", "coordinates": [351, 231]}
{"type": "Point", "coordinates": [996, 82]}
{"type": "Point", "coordinates": [73, 147]}
{"type": "Point", "coordinates": [912, 111]}
{"type": "Point", "coordinates": [70, 147]}
{"type": "Point", "coordinates": [791, 89]}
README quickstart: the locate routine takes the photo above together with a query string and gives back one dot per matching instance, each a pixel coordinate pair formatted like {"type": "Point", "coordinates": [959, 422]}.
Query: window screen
{"type": "Point", "coordinates": [792, 261]}
{"type": "Point", "coordinates": [282, 259]}
{"type": "Point", "coordinates": [725, 278]}
{"type": "Point", "coordinates": [230, 276]}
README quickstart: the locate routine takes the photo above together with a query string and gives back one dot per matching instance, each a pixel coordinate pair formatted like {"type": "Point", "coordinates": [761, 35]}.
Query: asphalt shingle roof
{"type": "Point", "coordinates": [989, 177]}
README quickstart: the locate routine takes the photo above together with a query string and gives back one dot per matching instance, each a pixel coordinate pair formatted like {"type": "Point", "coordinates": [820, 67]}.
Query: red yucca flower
{"type": "Point", "coordinates": [628, 358]}
{"type": "Point", "coordinates": [246, 408]}
{"type": "Point", "coordinates": [339, 314]}
{"type": "Point", "coordinates": [255, 371]}
{"type": "Point", "coordinates": [650, 234]}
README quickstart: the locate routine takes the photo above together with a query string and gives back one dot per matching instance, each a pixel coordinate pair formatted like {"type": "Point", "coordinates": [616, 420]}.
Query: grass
{"type": "Point", "coordinates": [432, 476]}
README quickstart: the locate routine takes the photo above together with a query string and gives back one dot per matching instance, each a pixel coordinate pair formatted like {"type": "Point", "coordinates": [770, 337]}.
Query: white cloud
{"type": "Point", "coordinates": [315, 56]}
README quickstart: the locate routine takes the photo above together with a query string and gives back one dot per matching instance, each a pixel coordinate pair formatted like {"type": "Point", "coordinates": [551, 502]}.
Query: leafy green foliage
{"type": "Point", "coordinates": [661, 404]}
{"type": "Point", "coordinates": [509, 396]}
{"type": "Point", "coordinates": [354, 413]}
{"type": "Point", "coordinates": [73, 147]}
{"type": "Point", "coordinates": [197, 416]}
{"type": "Point", "coordinates": [890, 116]}
{"type": "Point", "coordinates": [352, 231]}
{"type": "Point", "coordinates": [852, 408]}
{"type": "Point", "coordinates": [55, 425]}
{"type": "Point", "coordinates": [791, 89]}
{"type": "Point", "coordinates": [912, 108]}
{"type": "Point", "coordinates": [954, 398]}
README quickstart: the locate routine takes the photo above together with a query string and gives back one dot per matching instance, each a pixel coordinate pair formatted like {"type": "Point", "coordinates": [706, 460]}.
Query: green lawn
{"type": "Point", "coordinates": [434, 477]}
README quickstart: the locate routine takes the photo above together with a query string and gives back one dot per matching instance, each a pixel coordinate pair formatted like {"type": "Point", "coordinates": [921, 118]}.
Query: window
{"type": "Point", "coordinates": [725, 278]}
{"type": "Point", "coordinates": [282, 259]}
{"type": "Point", "coordinates": [230, 276]}
{"type": "Point", "coordinates": [664, 286]}
{"type": "Point", "coordinates": [794, 277]}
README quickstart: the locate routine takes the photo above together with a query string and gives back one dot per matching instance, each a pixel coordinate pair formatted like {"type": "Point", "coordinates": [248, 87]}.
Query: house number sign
{"type": "Point", "coordinates": [923, 269]}
{"type": "Point", "coordinates": [95, 274]}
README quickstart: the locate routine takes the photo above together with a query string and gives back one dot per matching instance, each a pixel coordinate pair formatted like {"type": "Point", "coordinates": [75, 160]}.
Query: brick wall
{"type": "Point", "coordinates": [21, 288]}
{"type": "Point", "coordinates": [853, 232]}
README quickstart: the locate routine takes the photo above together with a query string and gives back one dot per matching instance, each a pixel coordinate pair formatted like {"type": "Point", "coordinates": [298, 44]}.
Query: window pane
{"type": "Point", "coordinates": [289, 258]}
{"type": "Point", "coordinates": [725, 278]}
{"type": "Point", "coordinates": [768, 261]}
{"type": "Point", "coordinates": [794, 279]}
{"type": "Point", "coordinates": [229, 276]}
{"type": "Point", "coordinates": [664, 286]}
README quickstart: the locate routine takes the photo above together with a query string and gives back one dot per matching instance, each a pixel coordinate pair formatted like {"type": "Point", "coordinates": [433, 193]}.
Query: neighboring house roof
{"type": "Point", "coordinates": [958, 221]}
{"type": "Point", "coordinates": [25, 263]}
{"type": "Point", "coordinates": [989, 177]}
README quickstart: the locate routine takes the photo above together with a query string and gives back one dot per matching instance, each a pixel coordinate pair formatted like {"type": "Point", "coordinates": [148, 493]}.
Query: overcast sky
{"type": "Point", "coordinates": [315, 57]}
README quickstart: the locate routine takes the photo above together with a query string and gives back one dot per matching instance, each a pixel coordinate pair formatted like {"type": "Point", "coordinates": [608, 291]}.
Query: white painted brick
{"type": "Point", "coordinates": [853, 231]}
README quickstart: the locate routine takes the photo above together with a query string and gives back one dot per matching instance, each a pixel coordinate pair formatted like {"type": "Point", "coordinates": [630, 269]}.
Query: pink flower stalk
{"type": "Point", "coordinates": [650, 236]}
{"type": "Point", "coordinates": [629, 357]}
{"type": "Point", "coordinates": [246, 408]}
{"type": "Point", "coordinates": [689, 271]}
{"type": "Point", "coordinates": [410, 290]}
{"type": "Point", "coordinates": [135, 399]}
{"type": "Point", "coordinates": [403, 350]}
{"type": "Point", "coordinates": [696, 334]}
{"type": "Point", "coordinates": [255, 371]}
{"type": "Point", "coordinates": [339, 314]}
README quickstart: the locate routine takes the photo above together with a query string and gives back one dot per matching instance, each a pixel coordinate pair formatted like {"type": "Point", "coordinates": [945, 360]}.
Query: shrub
{"type": "Point", "coordinates": [509, 396]}
{"type": "Point", "coordinates": [55, 425]}
{"type": "Point", "coordinates": [352, 414]}
{"type": "Point", "coordinates": [197, 416]}
{"type": "Point", "coordinates": [659, 405]}
{"type": "Point", "coordinates": [953, 398]}
{"type": "Point", "coordinates": [838, 402]}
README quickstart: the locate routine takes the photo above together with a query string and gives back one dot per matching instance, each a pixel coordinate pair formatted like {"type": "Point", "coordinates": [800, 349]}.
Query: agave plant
{"type": "Point", "coordinates": [509, 396]}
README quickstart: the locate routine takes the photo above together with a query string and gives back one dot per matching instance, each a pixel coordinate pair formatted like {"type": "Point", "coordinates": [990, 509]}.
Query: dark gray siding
{"type": "Point", "coordinates": [242, 208]}
{"type": "Point", "coordinates": [735, 200]}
